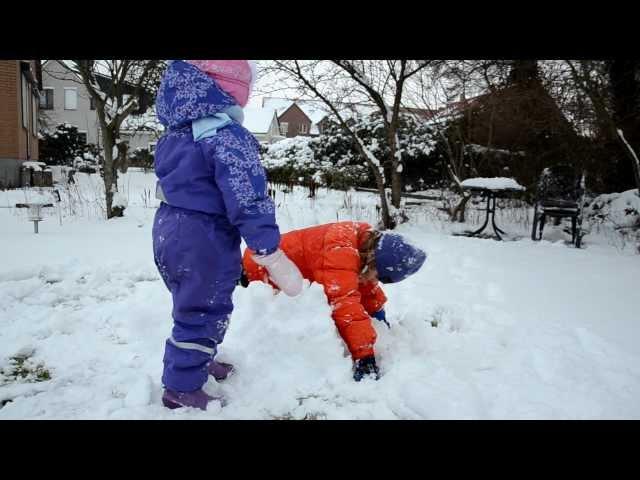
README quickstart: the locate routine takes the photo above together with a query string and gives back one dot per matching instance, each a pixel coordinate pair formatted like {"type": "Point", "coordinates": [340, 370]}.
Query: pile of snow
{"type": "Point", "coordinates": [494, 183]}
{"type": "Point", "coordinates": [36, 166]}
{"type": "Point", "coordinates": [119, 200]}
{"type": "Point", "coordinates": [620, 210]}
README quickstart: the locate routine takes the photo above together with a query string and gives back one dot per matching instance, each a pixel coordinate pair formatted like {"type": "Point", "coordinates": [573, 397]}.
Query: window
{"type": "Point", "coordinates": [303, 128]}
{"type": "Point", "coordinates": [92, 103]}
{"type": "Point", "coordinates": [34, 114]}
{"type": "Point", "coordinates": [82, 137]}
{"type": "Point", "coordinates": [25, 101]}
{"type": "Point", "coordinates": [70, 98]}
{"type": "Point", "coordinates": [46, 98]}
{"type": "Point", "coordinates": [284, 128]}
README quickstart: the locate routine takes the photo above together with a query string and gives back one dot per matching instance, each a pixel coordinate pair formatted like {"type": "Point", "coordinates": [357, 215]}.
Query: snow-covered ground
{"type": "Point", "coordinates": [486, 330]}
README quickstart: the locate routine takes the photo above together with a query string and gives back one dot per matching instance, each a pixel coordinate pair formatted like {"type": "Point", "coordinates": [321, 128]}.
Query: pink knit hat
{"type": "Point", "coordinates": [235, 77]}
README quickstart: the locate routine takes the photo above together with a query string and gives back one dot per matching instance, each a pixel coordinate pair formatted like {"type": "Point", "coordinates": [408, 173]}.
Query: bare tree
{"type": "Point", "coordinates": [624, 77]}
{"type": "Point", "coordinates": [119, 88]}
{"type": "Point", "coordinates": [612, 88]}
{"type": "Point", "coordinates": [435, 90]}
{"type": "Point", "coordinates": [344, 84]}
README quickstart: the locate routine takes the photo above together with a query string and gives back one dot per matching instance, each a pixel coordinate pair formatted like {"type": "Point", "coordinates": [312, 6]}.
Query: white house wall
{"type": "Point", "coordinates": [85, 119]}
{"type": "Point", "coordinates": [139, 140]}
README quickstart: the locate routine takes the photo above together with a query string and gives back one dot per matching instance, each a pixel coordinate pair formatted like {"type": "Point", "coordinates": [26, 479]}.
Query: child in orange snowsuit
{"type": "Point", "coordinates": [348, 259]}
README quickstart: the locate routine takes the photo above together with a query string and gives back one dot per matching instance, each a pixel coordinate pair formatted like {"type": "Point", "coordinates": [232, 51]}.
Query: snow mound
{"type": "Point", "coordinates": [621, 210]}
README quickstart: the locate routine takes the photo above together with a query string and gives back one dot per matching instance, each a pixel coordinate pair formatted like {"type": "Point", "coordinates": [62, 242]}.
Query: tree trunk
{"type": "Point", "coordinates": [387, 221]}
{"type": "Point", "coordinates": [109, 170]}
{"type": "Point", "coordinates": [396, 177]}
{"type": "Point", "coordinates": [523, 72]}
{"type": "Point", "coordinates": [123, 157]}
{"type": "Point", "coordinates": [625, 89]}
{"type": "Point", "coordinates": [396, 187]}
{"type": "Point", "coordinates": [460, 209]}
{"type": "Point", "coordinates": [633, 157]}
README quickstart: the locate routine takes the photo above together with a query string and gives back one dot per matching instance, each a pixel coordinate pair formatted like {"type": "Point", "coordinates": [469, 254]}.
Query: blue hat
{"type": "Point", "coordinates": [396, 259]}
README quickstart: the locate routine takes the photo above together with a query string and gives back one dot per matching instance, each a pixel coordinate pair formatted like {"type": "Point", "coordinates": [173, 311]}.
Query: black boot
{"type": "Point", "coordinates": [364, 367]}
{"type": "Point", "coordinates": [244, 280]}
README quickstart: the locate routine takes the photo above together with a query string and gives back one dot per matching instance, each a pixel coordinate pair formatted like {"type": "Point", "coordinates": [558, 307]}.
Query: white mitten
{"type": "Point", "coordinates": [282, 271]}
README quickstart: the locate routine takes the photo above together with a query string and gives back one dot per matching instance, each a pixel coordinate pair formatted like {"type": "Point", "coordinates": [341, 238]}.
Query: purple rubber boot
{"type": "Point", "coordinates": [197, 399]}
{"type": "Point", "coordinates": [219, 370]}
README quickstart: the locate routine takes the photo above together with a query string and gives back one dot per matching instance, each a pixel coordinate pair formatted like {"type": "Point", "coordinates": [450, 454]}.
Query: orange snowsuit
{"type": "Point", "coordinates": [328, 254]}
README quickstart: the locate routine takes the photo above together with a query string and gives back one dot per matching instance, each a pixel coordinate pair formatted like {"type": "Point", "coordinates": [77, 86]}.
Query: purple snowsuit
{"type": "Point", "coordinates": [214, 192]}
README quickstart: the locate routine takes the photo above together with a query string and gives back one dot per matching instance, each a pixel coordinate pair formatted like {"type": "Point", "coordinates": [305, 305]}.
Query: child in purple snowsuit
{"type": "Point", "coordinates": [213, 192]}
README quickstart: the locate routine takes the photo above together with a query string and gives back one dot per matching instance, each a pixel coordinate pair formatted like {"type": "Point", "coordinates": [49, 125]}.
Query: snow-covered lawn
{"type": "Point", "coordinates": [486, 330]}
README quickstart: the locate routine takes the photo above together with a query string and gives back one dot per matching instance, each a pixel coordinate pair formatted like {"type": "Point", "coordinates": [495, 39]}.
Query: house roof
{"type": "Point", "coordinates": [278, 104]}
{"type": "Point", "coordinates": [258, 120]}
{"type": "Point", "coordinates": [313, 109]}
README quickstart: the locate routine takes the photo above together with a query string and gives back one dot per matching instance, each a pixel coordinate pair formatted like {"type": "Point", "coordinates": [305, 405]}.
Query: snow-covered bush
{"type": "Point", "coordinates": [85, 163]}
{"type": "Point", "coordinates": [142, 158]}
{"type": "Point", "coordinates": [332, 159]}
{"type": "Point", "coordinates": [64, 144]}
{"type": "Point", "coordinates": [419, 164]}
{"type": "Point", "coordinates": [619, 211]}
{"type": "Point", "coordinates": [417, 141]}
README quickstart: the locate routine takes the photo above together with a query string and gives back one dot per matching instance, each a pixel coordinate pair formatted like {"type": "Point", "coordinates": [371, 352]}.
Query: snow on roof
{"type": "Point", "coordinates": [315, 112]}
{"type": "Point", "coordinates": [278, 104]}
{"type": "Point", "coordinates": [258, 120]}
{"type": "Point", "coordinates": [495, 183]}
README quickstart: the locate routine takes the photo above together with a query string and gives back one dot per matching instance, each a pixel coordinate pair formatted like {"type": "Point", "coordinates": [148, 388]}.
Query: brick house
{"type": "Point", "coordinates": [20, 85]}
{"type": "Point", "coordinates": [297, 117]}
{"type": "Point", "coordinates": [294, 122]}
{"type": "Point", "coordinates": [311, 117]}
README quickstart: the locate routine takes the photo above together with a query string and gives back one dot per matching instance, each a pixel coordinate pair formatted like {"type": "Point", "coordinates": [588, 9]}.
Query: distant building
{"type": "Point", "coordinates": [297, 117]}
{"type": "Point", "coordinates": [20, 84]}
{"type": "Point", "coordinates": [312, 117]}
{"type": "Point", "coordinates": [64, 99]}
{"type": "Point", "coordinates": [263, 124]}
